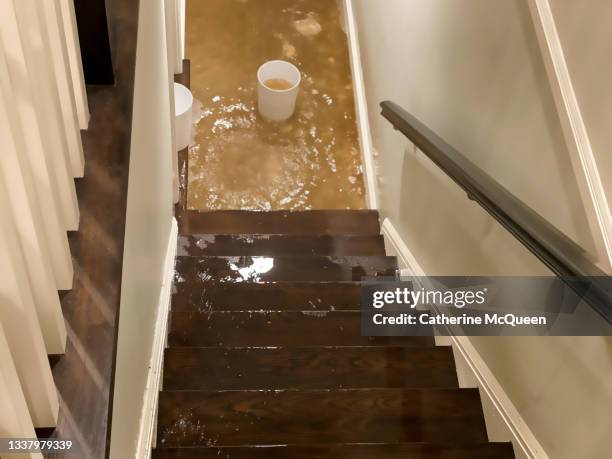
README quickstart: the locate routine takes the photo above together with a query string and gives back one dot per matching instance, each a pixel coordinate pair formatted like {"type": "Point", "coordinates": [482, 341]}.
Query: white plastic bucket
{"type": "Point", "coordinates": [277, 104]}
{"type": "Point", "coordinates": [183, 121]}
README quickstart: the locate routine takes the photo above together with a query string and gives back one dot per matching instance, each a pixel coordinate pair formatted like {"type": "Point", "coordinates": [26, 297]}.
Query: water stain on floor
{"type": "Point", "coordinates": [240, 160]}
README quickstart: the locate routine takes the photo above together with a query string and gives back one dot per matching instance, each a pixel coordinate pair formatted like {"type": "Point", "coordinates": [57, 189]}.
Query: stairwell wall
{"type": "Point", "coordinates": [148, 226]}
{"type": "Point", "coordinates": [472, 71]}
{"type": "Point", "coordinates": [585, 36]}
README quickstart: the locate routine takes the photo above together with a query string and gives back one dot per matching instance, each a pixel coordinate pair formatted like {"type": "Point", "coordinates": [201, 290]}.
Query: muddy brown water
{"type": "Point", "coordinates": [238, 159]}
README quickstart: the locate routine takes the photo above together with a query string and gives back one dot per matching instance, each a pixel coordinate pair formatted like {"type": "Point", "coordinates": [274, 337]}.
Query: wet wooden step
{"type": "Point", "coordinates": [282, 329]}
{"type": "Point", "coordinates": [317, 222]}
{"type": "Point", "coordinates": [309, 368]}
{"type": "Point", "coordinates": [279, 245]}
{"type": "Point", "coordinates": [236, 418]}
{"type": "Point", "coordinates": [196, 270]}
{"type": "Point", "coordinates": [280, 296]}
{"type": "Point", "coordinates": [380, 451]}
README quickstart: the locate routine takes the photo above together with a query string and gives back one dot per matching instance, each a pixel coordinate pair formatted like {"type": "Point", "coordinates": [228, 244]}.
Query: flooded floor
{"type": "Point", "coordinates": [238, 159]}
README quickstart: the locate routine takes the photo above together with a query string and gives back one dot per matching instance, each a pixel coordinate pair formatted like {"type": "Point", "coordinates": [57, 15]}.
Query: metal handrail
{"type": "Point", "coordinates": [559, 253]}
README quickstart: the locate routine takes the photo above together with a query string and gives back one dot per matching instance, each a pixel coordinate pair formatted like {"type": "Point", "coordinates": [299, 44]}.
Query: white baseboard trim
{"type": "Point", "coordinates": [148, 424]}
{"type": "Point", "coordinates": [504, 422]}
{"type": "Point", "coordinates": [361, 105]}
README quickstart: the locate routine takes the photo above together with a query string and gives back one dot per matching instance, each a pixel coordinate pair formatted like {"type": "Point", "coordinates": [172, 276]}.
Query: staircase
{"type": "Point", "coordinates": [265, 358]}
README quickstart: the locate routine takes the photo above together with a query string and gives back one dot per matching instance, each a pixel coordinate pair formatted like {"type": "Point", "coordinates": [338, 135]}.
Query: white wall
{"type": "Point", "coordinates": [586, 35]}
{"type": "Point", "coordinates": [472, 71]}
{"type": "Point", "coordinates": [149, 220]}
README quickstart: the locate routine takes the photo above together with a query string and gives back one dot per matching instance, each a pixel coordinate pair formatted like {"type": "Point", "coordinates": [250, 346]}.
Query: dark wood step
{"type": "Point", "coordinates": [309, 368]}
{"type": "Point", "coordinates": [318, 222]}
{"type": "Point", "coordinates": [272, 269]}
{"type": "Point", "coordinates": [279, 245]}
{"type": "Point", "coordinates": [380, 451]}
{"type": "Point", "coordinates": [237, 418]}
{"type": "Point", "coordinates": [283, 329]}
{"type": "Point", "coordinates": [290, 296]}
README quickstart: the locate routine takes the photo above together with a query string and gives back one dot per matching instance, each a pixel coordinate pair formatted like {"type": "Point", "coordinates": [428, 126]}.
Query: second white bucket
{"type": "Point", "coordinates": [183, 121]}
{"type": "Point", "coordinates": [277, 104]}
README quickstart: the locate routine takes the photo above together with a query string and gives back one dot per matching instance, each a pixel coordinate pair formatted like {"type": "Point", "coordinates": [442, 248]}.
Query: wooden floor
{"type": "Point", "coordinates": [265, 356]}
{"type": "Point", "coordinates": [84, 375]}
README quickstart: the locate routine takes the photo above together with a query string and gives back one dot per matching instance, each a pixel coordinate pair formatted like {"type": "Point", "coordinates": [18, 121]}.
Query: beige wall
{"type": "Point", "coordinates": [472, 71]}
{"type": "Point", "coordinates": [148, 225]}
{"type": "Point", "coordinates": [586, 36]}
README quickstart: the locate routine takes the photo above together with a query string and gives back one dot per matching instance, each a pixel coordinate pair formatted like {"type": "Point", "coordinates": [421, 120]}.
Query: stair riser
{"type": "Point", "coordinates": [275, 245]}
{"type": "Point", "coordinates": [389, 451]}
{"type": "Point", "coordinates": [318, 222]}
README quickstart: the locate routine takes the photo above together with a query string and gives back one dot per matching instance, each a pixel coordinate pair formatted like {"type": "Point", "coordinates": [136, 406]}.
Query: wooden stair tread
{"type": "Point", "coordinates": [272, 269]}
{"type": "Point", "coordinates": [345, 451]}
{"type": "Point", "coordinates": [277, 328]}
{"type": "Point", "coordinates": [291, 296]}
{"type": "Point", "coordinates": [279, 245]}
{"type": "Point", "coordinates": [318, 222]}
{"type": "Point", "coordinates": [309, 368]}
{"type": "Point", "coordinates": [327, 416]}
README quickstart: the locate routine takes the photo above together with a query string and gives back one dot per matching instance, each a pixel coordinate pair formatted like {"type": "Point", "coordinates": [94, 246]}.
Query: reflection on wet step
{"type": "Point", "coordinates": [241, 161]}
{"type": "Point", "coordinates": [268, 269]}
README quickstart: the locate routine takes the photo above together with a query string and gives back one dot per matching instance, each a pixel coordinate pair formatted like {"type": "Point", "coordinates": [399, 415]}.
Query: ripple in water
{"type": "Point", "coordinates": [239, 160]}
